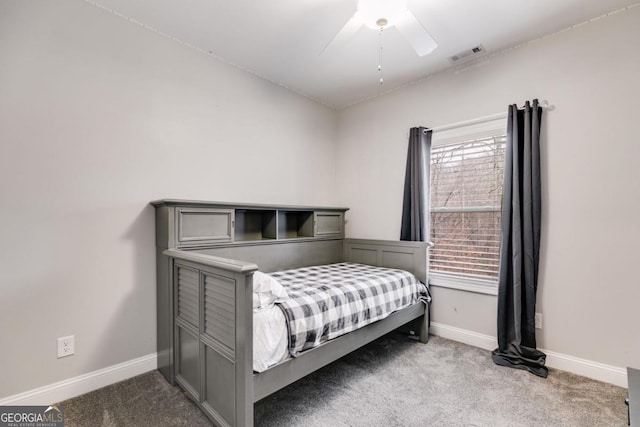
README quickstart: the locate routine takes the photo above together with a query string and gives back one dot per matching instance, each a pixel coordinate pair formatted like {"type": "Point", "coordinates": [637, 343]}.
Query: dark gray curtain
{"type": "Point", "coordinates": [520, 243]}
{"type": "Point", "coordinates": [415, 206]}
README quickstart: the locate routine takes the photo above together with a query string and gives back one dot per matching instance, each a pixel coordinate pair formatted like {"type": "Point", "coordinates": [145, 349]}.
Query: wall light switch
{"type": "Point", "coordinates": [66, 346]}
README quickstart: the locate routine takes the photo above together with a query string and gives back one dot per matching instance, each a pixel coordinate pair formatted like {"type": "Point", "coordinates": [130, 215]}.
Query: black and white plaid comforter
{"type": "Point", "coordinates": [330, 300]}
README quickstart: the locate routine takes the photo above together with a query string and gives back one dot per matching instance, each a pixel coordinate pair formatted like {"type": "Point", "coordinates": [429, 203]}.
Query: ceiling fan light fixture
{"type": "Point", "coordinates": [381, 15]}
{"type": "Point", "coordinates": [374, 12]}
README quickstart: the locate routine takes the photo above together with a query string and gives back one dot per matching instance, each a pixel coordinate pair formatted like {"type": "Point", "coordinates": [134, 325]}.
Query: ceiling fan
{"type": "Point", "coordinates": [381, 15]}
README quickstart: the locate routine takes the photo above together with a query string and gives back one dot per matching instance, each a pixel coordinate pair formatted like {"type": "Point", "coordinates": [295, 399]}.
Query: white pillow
{"type": "Point", "coordinates": [266, 290]}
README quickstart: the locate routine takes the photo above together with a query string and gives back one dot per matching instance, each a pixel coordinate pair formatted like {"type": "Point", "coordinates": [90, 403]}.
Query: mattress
{"type": "Point", "coordinates": [326, 302]}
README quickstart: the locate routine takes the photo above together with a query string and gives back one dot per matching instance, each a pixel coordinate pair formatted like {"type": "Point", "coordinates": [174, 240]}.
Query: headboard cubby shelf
{"type": "Point", "coordinates": [295, 224]}
{"type": "Point", "coordinates": [190, 224]}
{"type": "Point", "coordinates": [255, 225]}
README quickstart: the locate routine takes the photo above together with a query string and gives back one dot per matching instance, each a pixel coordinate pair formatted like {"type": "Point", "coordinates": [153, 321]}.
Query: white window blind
{"type": "Point", "coordinates": [467, 171]}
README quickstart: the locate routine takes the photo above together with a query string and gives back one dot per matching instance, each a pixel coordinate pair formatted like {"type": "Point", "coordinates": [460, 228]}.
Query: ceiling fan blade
{"type": "Point", "coordinates": [343, 36]}
{"type": "Point", "coordinates": [416, 35]}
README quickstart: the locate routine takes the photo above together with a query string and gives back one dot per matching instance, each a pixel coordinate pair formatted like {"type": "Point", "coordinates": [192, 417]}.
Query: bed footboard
{"type": "Point", "coordinates": [213, 343]}
{"type": "Point", "coordinates": [405, 255]}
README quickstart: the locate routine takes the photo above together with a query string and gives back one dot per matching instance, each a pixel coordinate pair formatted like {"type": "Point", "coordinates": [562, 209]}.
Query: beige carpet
{"type": "Point", "coordinates": [391, 382]}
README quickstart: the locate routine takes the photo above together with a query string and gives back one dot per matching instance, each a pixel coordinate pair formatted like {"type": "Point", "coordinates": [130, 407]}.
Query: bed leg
{"type": "Point", "coordinates": [424, 326]}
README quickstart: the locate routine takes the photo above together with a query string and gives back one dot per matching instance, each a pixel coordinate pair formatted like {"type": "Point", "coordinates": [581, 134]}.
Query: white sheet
{"type": "Point", "coordinates": [266, 290]}
{"type": "Point", "coordinates": [270, 337]}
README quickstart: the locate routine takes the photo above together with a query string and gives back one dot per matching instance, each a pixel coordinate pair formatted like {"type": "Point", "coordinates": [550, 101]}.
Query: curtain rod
{"type": "Point", "coordinates": [544, 104]}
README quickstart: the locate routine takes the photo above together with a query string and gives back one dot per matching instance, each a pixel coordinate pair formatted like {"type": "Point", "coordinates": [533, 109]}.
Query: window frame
{"type": "Point", "coordinates": [457, 133]}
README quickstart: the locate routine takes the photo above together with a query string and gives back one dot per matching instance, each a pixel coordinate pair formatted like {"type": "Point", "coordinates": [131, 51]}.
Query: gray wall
{"type": "Point", "coordinates": [99, 116]}
{"type": "Point", "coordinates": [589, 284]}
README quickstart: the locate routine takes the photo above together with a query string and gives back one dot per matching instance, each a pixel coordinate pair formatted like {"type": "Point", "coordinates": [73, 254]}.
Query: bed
{"type": "Point", "coordinates": [207, 312]}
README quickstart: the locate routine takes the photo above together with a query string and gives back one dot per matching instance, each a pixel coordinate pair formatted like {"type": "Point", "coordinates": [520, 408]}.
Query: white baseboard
{"type": "Point", "coordinates": [586, 368]}
{"type": "Point", "coordinates": [475, 339]}
{"type": "Point", "coordinates": [76, 386]}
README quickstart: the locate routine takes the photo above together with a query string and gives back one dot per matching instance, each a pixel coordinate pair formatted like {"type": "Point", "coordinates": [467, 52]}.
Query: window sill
{"type": "Point", "coordinates": [477, 286]}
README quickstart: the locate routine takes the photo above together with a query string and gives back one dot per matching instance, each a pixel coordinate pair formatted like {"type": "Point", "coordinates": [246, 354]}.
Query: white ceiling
{"type": "Point", "coordinates": [281, 40]}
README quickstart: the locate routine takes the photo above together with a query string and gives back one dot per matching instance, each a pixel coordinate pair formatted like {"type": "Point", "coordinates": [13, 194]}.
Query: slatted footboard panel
{"type": "Point", "coordinates": [220, 311]}
{"type": "Point", "coordinates": [188, 294]}
{"type": "Point", "coordinates": [213, 354]}
{"type": "Point", "coordinates": [187, 326]}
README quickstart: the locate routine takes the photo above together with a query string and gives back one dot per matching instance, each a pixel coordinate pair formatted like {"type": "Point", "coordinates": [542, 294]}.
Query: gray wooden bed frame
{"type": "Point", "coordinates": [207, 253]}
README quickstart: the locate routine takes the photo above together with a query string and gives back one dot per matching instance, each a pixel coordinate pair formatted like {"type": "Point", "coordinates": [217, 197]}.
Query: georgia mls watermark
{"type": "Point", "coordinates": [31, 416]}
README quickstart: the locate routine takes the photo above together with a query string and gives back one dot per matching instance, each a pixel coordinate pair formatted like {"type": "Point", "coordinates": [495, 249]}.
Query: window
{"type": "Point", "coordinates": [467, 170]}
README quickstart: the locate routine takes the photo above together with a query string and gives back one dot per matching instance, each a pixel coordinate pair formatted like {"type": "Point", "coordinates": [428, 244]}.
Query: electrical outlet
{"type": "Point", "coordinates": [66, 346]}
{"type": "Point", "coordinates": [538, 320]}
